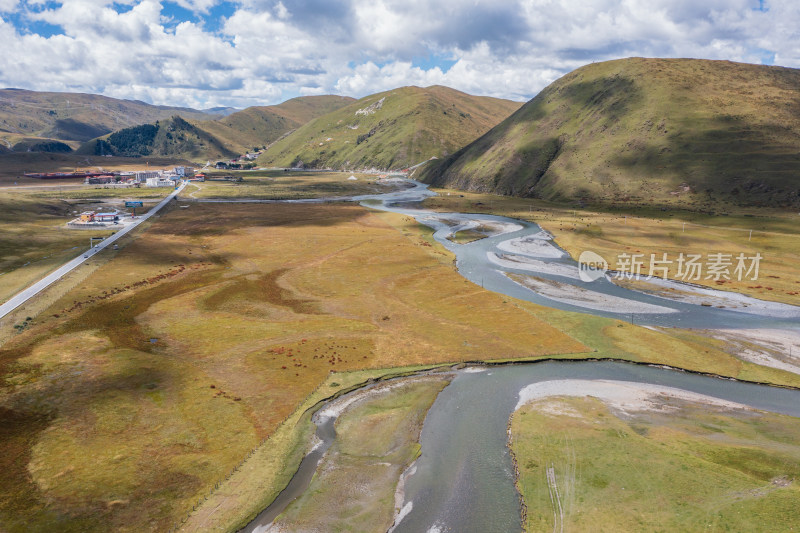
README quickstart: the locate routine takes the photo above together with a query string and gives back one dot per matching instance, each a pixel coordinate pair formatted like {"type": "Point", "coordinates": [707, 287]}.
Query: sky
{"type": "Point", "coordinates": [209, 53]}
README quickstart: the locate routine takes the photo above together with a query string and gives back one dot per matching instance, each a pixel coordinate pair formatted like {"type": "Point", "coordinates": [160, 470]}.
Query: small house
{"type": "Point", "coordinates": [106, 217]}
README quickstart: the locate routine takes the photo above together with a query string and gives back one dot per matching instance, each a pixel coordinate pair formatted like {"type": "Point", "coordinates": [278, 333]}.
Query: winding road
{"type": "Point", "coordinates": [23, 296]}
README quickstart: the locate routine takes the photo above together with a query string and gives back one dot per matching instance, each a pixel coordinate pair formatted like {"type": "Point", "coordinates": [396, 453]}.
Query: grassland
{"type": "Point", "coordinates": [199, 343]}
{"type": "Point", "coordinates": [280, 185]}
{"type": "Point", "coordinates": [393, 129]}
{"type": "Point", "coordinates": [375, 441]}
{"type": "Point", "coordinates": [253, 485]}
{"type": "Point", "coordinates": [34, 239]}
{"type": "Point", "coordinates": [684, 468]}
{"type": "Point", "coordinates": [99, 192]}
{"type": "Point", "coordinates": [611, 232]}
{"type": "Point", "coordinates": [637, 131]}
{"type": "Point", "coordinates": [263, 328]}
{"type": "Point", "coordinates": [467, 235]}
{"type": "Point", "coordinates": [258, 126]}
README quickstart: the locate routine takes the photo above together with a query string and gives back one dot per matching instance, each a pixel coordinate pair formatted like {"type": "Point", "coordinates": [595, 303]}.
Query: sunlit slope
{"type": "Point", "coordinates": [687, 131]}
{"type": "Point", "coordinates": [174, 137]}
{"type": "Point", "coordinates": [393, 129]}
{"type": "Point", "coordinates": [258, 126]}
{"type": "Point", "coordinates": [306, 108]}
{"type": "Point", "coordinates": [240, 132]}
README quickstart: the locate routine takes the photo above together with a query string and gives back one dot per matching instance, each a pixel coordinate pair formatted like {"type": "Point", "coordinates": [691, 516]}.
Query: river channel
{"type": "Point", "coordinates": [463, 481]}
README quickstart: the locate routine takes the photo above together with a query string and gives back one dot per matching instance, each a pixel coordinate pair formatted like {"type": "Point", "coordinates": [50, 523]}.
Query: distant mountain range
{"type": "Point", "coordinates": [393, 129]}
{"type": "Point", "coordinates": [651, 131]}
{"type": "Point", "coordinates": [29, 117]}
{"type": "Point", "coordinates": [633, 131]}
{"type": "Point", "coordinates": [223, 138]}
{"type": "Point", "coordinates": [388, 130]}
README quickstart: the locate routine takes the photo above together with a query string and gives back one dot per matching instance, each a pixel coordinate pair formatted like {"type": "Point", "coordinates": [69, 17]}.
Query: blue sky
{"type": "Point", "coordinates": [206, 53]}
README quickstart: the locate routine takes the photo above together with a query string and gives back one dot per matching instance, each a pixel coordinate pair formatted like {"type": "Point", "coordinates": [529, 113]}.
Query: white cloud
{"type": "Point", "coordinates": [311, 91]}
{"type": "Point", "coordinates": [269, 50]}
{"type": "Point", "coordinates": [8, 6]}
{"type": "Point", "coordinates": [198, 6]}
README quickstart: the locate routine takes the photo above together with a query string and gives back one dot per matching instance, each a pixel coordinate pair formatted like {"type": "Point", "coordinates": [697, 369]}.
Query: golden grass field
{"type": "Point", "coordinates": [34, 239]}
{"type": "Point", "coordinates": [129, 400]}
{"type": "Point", "coordinates": [651, 231]}
{"type": "Point", "coordinates": [687, 467]}
{"type": "Point", "coordinates": [250, 309]}
{"type": "Point", "coordinates": [280, 185]}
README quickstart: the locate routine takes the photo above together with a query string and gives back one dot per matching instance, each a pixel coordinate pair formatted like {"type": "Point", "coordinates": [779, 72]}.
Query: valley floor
{"type": "Point", "coordinates": [188, 362]}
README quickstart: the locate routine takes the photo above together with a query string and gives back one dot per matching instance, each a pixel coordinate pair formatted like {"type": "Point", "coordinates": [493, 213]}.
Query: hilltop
{"type": "Point", "coordinates": [31, 115]}
{"type": "Point", "coordinates": [262, 125]}
{"type": "Point", "coordinates": [174, 137]}
{"type": "Point", "coordinates": [650, 131]}
{"type": "Point", "coordinates": [392, 129]}
{"type": "Point", "coordinates": [226, 137]}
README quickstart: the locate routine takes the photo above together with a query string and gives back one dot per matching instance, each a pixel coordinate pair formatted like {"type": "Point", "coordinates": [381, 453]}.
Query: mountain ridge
{"type": "Point", "coordinates": [76, 116]}
{"type": "Point", "coordinates": [391, 129]}
{"type": "Point", "coordinates": [227, 137]}
{"type": "Point", "coordinates": [640, 130]}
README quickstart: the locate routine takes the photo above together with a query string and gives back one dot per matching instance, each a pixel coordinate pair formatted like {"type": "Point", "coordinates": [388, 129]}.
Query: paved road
{"type": "Point", "coordinates": [25, 295]}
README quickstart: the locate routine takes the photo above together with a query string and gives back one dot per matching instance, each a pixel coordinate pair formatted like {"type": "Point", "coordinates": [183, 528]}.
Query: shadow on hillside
{"type": "Point", "coordinates": [600, 102]}
{"type": "Point", "coordinates": [724, 156]}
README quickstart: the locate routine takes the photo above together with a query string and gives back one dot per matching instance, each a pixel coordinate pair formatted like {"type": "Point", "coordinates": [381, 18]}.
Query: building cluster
{"type": "Point", "coordinates": [146, 178]}
{"type": "Point", "coordinates": [244, 162]}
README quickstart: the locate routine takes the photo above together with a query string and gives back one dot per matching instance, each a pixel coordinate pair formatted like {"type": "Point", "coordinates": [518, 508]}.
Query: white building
{"type": "Point", "coordinates": [142, 176]}
{"type": "Point", "coordinates": [159, 182]}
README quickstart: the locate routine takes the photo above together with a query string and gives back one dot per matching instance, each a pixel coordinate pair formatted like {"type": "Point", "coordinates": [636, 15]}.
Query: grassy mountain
{"type": "Point", "coordinates": [34, 144]}
{"type": "Point", "coordinates": [261, 125]}
{"type": "Point", "coordinates": [656, 131]}
{"type": "Point", "coordinates": [220, 111]}
{"type": "Point", "coordinates": [174, 137]}
{"type": "Point", "coordinates": [75, 116]}
{"type": "Point", "coordinates": [226, 137]}
{"type": "Point", "coordinates": [392, 129]}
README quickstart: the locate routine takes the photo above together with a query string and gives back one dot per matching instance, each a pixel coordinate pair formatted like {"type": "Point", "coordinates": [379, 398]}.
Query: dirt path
{"type": "Point", "coordinates": [199, 188]}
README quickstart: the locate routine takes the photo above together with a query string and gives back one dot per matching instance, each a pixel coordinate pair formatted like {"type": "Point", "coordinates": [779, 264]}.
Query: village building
{"type": "Point", "coordinates": [158, 182]}
{"type": "Point", "coordinates": [106, 217]}
{"type": "Point", "coordinates": [142, 176]}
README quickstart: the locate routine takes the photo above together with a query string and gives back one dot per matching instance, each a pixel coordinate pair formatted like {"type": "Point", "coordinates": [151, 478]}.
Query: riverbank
{"type": "Point", "coordinates": [252, 485]}
{"type": "Point", "coordinates": [576, 295]}
{"type": "Point", "coordinates": [611, 232]}
{"type": "Point", "coordinates": [261, 476]}
{"type": "Point", "coordinates": [377, 438]}
{"type": "Point", "coordinates": [259, 332]}
{"type": "Point", "coordinates": [671, 459]}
